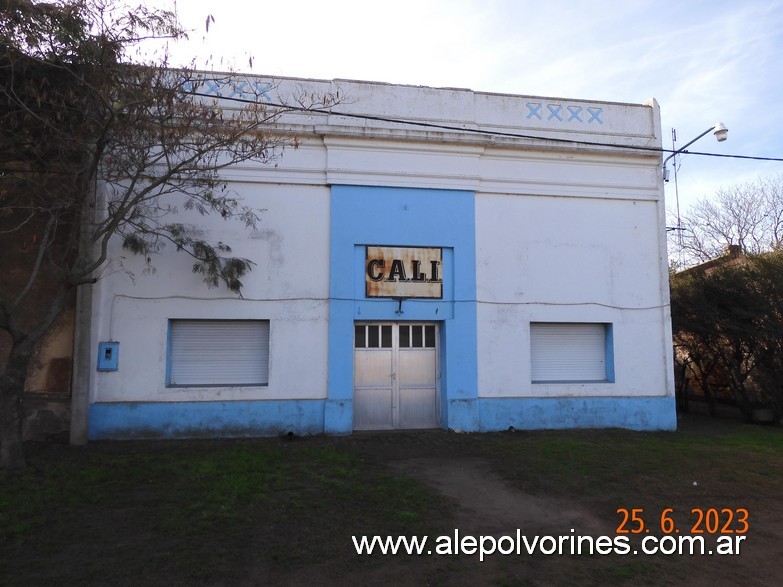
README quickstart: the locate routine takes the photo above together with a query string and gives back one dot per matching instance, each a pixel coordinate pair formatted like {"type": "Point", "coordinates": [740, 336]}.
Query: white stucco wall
{"type": "Point", "coordinates": [564, 232]}
{"type": "Point", "coordinates": [289, 286]}
{"type": "Point", "coordinates": [569, 259]}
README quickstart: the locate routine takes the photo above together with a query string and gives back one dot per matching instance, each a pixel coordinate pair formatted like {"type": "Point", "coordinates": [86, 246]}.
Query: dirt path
{"type": "Point", "coordinates": [488, 505]}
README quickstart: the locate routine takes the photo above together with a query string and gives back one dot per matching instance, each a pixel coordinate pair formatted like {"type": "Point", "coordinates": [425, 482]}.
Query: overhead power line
{"type": "Point", "coordinates": [480, 131]}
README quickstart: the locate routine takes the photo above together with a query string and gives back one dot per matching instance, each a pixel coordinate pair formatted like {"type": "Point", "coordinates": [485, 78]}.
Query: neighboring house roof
{"type": "Point", "coordinates": [732, 256]}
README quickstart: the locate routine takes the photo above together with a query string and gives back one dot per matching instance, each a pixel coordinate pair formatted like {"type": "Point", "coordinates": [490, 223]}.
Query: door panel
{"type": "Point", "coordinates": [372, 368]}
{"type": "Point", "coordinates": [418, 408]}
{"type": "Point", "coordinates": [373, 409]}
{"type": "Point", "coordinates": [417, 368]}
{"type": "Point", "coordinates": [395, 376]}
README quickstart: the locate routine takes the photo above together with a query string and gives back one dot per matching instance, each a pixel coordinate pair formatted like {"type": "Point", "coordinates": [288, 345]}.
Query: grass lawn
{"type": "Point", "coordinates": [282, 511]}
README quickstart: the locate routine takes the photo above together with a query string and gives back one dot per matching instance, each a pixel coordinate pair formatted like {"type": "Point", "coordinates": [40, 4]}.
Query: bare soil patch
{"type": "Point", "coordinates": [488, 505]}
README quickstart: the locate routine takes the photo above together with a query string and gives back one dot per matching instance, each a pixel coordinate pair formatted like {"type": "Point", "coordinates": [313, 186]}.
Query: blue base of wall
{"type": "Point", "coordinates": [120, 421]}
{"type": "Point", "coordinates": [338, 417]}
{"type": "Point", "coordinates": [634, 413]}
{"type": "Point", "coordinates": [302, 417]}
{"type": "Point", "coordinates": [462, 415]}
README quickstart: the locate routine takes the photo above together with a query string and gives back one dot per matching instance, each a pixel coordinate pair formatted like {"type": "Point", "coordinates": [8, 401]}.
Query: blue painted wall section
{"type": "Point", "coordinates": [204, 419]}
{"type": "Point", "coordinates": [635, 413]}
{"type": "Point", "coordinates": [362, 216]}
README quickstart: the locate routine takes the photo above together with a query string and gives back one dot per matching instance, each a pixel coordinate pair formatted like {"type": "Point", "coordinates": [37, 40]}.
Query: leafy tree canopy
{"type": "Point", "coordinates": [96, 146]}
{"type": "Point", "coordinates": [728, 328]}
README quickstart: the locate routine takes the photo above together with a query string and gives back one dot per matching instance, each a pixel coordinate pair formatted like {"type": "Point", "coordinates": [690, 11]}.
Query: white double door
{"type": "Point", "coordinates": [395, 375]}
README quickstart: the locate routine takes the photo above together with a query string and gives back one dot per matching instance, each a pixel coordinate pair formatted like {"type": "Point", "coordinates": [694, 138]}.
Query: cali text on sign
{"type": "Point", "coordinates": [410, 272]}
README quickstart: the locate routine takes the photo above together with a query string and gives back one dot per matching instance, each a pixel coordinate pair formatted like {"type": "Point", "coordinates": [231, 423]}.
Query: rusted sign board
{"type": "Point", "coordinates": [404, 272]}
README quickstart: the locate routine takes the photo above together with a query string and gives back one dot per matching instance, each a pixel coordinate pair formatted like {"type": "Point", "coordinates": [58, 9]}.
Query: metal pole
{"type": "Point", "coordinates": [685, 146]}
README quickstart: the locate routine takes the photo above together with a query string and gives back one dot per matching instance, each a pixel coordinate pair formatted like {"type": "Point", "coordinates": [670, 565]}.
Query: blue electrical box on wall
{"type": "Point", "coordinates": [108, 353]}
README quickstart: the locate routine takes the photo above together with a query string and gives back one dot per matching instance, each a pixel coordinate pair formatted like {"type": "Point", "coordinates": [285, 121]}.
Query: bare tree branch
{"type": "Point", "coordinates": [96, 148]}
{"type": "Point", "coordinates": [748, 216]}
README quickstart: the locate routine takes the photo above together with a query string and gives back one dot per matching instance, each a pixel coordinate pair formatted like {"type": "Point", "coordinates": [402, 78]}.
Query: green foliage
{"type": "Point", "coordinates": [728, 328]}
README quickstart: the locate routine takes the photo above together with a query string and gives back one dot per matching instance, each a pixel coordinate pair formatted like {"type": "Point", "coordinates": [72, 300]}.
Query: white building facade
{"type": "Point", "coordinates": [426, 258]}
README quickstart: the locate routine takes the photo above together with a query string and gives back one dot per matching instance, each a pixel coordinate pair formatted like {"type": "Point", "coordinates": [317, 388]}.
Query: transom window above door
{"type": "Point", "coordinates": [372, 336]}
{"type": "Point", "coordinates": [379, 336]}
{"type": "Point", "coordinates": [417, 336]}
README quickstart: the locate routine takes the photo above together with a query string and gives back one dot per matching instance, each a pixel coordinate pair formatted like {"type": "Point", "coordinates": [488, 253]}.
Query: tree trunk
{"type": "Point", "coordinates": [12, 411]}
{"type": "Point", "coordinates": [13, 379]}
{"type": "Point", "coordinates": [709, 397]}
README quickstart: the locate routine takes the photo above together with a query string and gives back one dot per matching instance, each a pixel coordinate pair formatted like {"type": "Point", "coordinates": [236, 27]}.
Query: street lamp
{"type": "Point", "coordinates": [721, 133]}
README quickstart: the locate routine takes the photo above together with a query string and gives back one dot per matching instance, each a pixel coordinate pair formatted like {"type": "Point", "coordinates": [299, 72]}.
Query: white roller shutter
{"type": "Point", "coordinates": [567, 352]}
{"type": "Point", "coordinates": [219, 352]}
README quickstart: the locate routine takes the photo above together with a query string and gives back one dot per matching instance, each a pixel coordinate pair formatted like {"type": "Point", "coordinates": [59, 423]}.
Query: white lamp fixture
{"type": "Point", "coordinates": [721, 134]}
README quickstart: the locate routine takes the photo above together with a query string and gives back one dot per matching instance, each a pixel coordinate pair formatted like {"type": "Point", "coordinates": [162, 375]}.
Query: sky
{"type": "Point", "coordinates": [705, 61]}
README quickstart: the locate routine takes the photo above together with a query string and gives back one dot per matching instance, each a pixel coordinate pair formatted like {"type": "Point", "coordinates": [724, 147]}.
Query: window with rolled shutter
{"type": "Point", "coordinates": [229, 353]}
{"type": "Point", "coordinates": [570, 352]}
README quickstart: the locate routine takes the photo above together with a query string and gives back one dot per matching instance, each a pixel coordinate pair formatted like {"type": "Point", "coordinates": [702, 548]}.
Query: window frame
{"type": "Point", "coordinates": [607, 348]}
{"type": "Point", "coordinates": [264, 345]}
